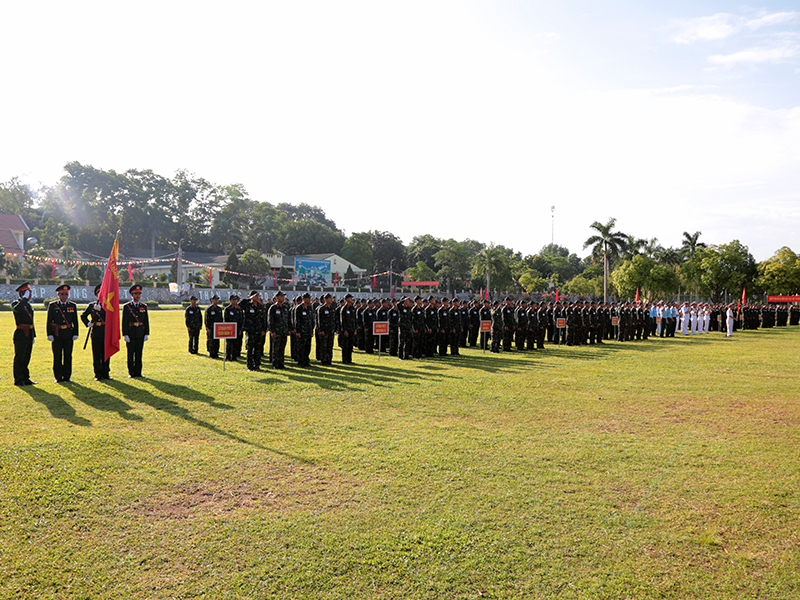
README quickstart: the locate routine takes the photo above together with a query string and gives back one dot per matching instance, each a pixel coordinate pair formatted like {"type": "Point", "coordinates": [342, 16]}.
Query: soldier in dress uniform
{"type": "Point", "coordinates": [193, 316]}
{"type": "Point", "coordinates": [474, 326]}
{"type": "Point", "coordinates": [382, 314]}
{"type": "Point", "coordinates": [213, 315]}
{"type": "Point", "coordinates": [233, 313]}
{"type": "Point", "coordinates": [406, 328]}
{"type": "Point", "coordinates": [94, 317]}
{"type": "Point", "coordinates": [431, 331]}
{"type": "Point", "coordinates": [418, 323]}
{"type": "Point", "coordinates": [394, 328]}
{"type": "Point", "coordinates": [509, 323]}
{"type": "Point", "coordinates": [135, 330]}
{"type": "Point", "coordinates": [456, 323]}
{"type": "Point", "coordinates": [24, 335]}
{"type": "Point", "coordinates": [62, 331]}
{"type": "Point", "coordinates": [278, 323]}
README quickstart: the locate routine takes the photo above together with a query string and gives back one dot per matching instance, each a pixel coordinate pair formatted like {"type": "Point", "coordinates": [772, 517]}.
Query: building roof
{"type": "Point", "coordinates": [13, 222]}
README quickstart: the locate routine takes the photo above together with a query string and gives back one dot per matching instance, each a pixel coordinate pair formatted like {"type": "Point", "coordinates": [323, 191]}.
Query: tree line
{"type": "Point", "coordinates": [88, 205]}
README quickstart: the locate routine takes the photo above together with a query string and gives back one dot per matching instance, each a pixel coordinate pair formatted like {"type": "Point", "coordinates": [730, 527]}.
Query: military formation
{"type": "Point", "coordinates": [413, 328]}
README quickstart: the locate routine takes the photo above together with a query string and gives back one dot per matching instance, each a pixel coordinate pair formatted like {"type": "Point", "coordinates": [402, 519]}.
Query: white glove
{"type": "Point", "coordinates": [145, 338]}
{"type": "Point", "coordinates": [91, 324]}
{"type": "Point", "coordinates": [126, 338]}
{"type": "Point", "coordinates": [50, 338]}
{"type": "Point", "coordinates": [74, 338]}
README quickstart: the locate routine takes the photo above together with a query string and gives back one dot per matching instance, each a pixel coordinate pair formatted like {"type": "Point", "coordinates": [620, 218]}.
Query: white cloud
{"type": "Point", "coordinates": [755, 56]}
{"type": "Point", "coordinates": [715, 27]}
{"type": "Point", "coordinates": [724, 25]}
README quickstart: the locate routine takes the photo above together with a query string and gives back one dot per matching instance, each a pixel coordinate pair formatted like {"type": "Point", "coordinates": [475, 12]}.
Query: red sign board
{"type": "Point", "coordinates": [380, 328]}
{"type": "Point", "coordinates": [614, 321]}
{"type": "Point", "coordinates": [421, 283]}
{"type": "Point", "coordinates": [783, 298]}
{"type": "Point", "coordinates": [561, 323]}
{"type": "Point", "coordinates": [486, 326]}
{"type": "Point", "coordinates": [224, 331]}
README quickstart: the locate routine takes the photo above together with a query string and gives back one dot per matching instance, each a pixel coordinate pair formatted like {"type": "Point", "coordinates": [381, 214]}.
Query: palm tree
{"type": "Point", "coordinates": [605, 243]}
{"type": "Point", "coordinates": [633, 247]}
{"type": "Point", "coordinates": [690, 245]}
{"type": "Point", "coordinates": [488, 260]}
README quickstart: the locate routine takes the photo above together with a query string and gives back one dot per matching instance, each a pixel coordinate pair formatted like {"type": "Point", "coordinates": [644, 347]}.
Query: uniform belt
{"type": "Point", "coordinates": [96, 323]}
{"type": "Point", "coordinates": [24, 326]}
{"type": "Point", "coordinates": [64, 326]}
{"type": "Point", "coordinates": [134, 324]}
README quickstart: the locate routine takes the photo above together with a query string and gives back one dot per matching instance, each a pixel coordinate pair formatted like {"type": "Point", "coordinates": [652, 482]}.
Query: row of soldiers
{"type": "Point", "coordinates": [425, 327]}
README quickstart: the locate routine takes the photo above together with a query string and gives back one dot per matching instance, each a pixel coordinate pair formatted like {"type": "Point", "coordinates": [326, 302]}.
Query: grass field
{"type": "Point", "coordinates": [658, 469]}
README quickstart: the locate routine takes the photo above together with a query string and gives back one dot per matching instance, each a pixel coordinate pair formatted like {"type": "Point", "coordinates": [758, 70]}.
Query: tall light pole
{"type": "Point", "coordinates": [179, 274]}
{"type": "Point", "coordinates": [553, 225]}
{"type": "Point", "coordinates": [391, 285]}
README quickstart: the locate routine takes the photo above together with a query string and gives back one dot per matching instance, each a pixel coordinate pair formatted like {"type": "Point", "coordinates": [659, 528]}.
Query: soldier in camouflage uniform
{"type": "Point", "coordinates": [303, 330]}
{"type": "Point", "coordinates": [213, 315]}
{"type": "Point", "coordinates": [278, 323]}
{"type": "Point", "coordinates": [326, 329]}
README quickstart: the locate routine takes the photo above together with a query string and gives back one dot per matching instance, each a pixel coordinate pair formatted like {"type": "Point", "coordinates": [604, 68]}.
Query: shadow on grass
{"type": "Point", "coordinates": [135, 394]}
{"type": "Point", "coordinates": [342, 377]}
{"type": "Point", "coordinates": [102, 401]}
{"type": "Point", "coordinates": [185, 393]}
{"type": "Point", "coordinates": [57, 406]}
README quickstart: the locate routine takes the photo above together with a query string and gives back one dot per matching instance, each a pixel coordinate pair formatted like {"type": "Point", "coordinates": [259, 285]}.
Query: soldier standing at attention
{"type": "Point", "coordinates": [406, 326]}
{"type": "Point", "coordinates": [278, 323]}
{"type": "Point", "coordinates": [255, 326]}
{"type": "Point", "coordinates": [193, 317]}
{"type": "Point", "coordinates": [97, 314]}
{"type": "Point", "coordinates": [135, 330]}
{"type": "Point", "coordinates": [303, 330]}
{"type": "Point", "coordinates": [24, 335]}
{"type": "Point", "coordinates": [62, 331]}
{"type": "Point", "coordinates": [233, 313]}
{"type": "Point", "coordinates": [326, 328]}
{"type": "Point", "coordinates": [509, 323]}
{"type": "Point", "coordinates": [213, 315]}
{"type": "Point", "coordinates": [347, 329]}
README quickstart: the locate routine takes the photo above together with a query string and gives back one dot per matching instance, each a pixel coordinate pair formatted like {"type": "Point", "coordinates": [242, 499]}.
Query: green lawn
{"type": "Point", "coordinates": [658, 469]}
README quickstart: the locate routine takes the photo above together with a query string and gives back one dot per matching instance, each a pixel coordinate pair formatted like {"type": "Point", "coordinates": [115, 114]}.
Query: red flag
{"type": "Point", "coordinates": [108, 297]}
{"type": "Point", "coordinates": [744, 297]}
{"type": "Point", "coordinates": [210, 277]}
{"type": "Point", "coordinates": [637, 294]}
{"type": "Point", "coordinates": [556, 294]}
{"type": "Point", "coordinates": [54, 270]}
{"type": "Point", "coordinates": [373, 281]}
{"type": "Point", "coordinates": [481, 293]}
{"type": "Point", "coordinates": [130, 273]}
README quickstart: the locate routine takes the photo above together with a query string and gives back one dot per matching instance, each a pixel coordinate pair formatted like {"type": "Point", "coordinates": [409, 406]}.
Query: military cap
{"type": "Point", "coordinates": [254, 293]}
{"type": "Point", "coordinates": [326, 296]}
{"type": "Point", "coordinates": [234, 297]}
{"type": "Point", "coordinates": [306, 295]}
{"type": "Point", "coordinates": [134, 288]}
{"type": "Point", "coordinates": [24, 287]}
{"type": "Point", "coordinates": [417, 298]}
{"type": "Point", "coordinates": [278, 293]}
{"type": "Point", "coordinates": [509, 299]}
{"type": "Point", "coordinates": [193, 298]}
{"type": "Point", "coordinates": [215, 297]}
{"type": "Point", "coordinates": [64, 287]}
{"type": "Point", "coordinates": [97, 288]}
{"type": "Point", "coordinates": [346, 296]}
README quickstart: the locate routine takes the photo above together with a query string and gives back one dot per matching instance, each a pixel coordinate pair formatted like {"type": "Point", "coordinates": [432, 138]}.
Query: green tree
{"type": "Point", "coordinates": [388, 252]}
{"type": "Point", "coordinates": [357, 249]}
{"type": "Point", "coordinates": [690, 245]}
{"type": "Point", "coordinates": [490, 262]}
{"type": "Point", "coordinates": [423, 248]}
{"type": "Point", "coordinates": [452, 262]}
{"type": "Point", "coordinates": [254, 265]}
{"type": "Point", "coordinates": [726, 268]}
{"type": "Point", "coordinates": [606, 244]}
{"type": "Point", "coordinates": [309, 237]}
{"type": "Point", "coordinates": [780, 274]}
{"type": "Point", "coordinates": [421, 272]}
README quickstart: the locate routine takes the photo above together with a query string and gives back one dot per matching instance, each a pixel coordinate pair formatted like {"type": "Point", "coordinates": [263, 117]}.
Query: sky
{"type": "Point", "coordinates": [507, 122]}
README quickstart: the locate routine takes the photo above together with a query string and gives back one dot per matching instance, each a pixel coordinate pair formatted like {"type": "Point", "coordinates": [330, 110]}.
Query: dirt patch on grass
{"type": "Point", "coordinates": [274, 489]}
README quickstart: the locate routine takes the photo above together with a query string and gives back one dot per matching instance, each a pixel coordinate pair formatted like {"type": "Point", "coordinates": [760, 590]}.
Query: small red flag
{"type": "Point", "coordinates": [108, 297]}
{"type": "Point", "coordinates": [556, 294]}
{"type": "Point", "coordinates": [373, 281]}
{"type": "Point", "coordinates": [637, 294]}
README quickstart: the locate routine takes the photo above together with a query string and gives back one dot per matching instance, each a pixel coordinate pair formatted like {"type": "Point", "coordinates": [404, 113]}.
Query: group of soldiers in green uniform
{"type": "Point", "coordinates": [425, 327]}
